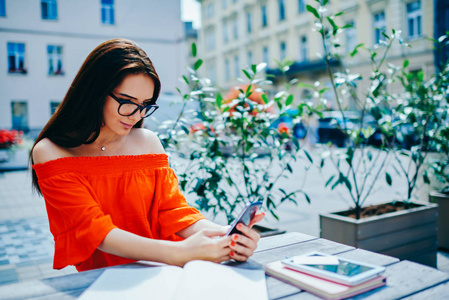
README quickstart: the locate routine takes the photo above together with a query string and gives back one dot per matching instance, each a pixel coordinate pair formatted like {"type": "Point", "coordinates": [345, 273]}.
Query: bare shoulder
{"type": "Point", "coordinates": [147, 140]}
{"type": "Point", "coordinates": [45, 150]}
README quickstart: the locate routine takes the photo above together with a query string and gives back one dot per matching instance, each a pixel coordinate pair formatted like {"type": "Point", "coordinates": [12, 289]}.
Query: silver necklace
{"type": "Point", "coordinates": [103, 148]}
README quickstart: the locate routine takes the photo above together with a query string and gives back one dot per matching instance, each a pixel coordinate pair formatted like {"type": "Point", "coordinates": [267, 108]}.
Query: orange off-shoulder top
{"type": "Point", "coordinates": [86, 197]}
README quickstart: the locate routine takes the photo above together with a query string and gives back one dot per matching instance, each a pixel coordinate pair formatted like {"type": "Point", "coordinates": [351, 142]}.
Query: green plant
{"type": "Point", "coordinates": [421, 105]}
{"type": "Point", "coordinates": [358, 166]}
{"type": "Point", "coordinates": [440, 167]}
{"type": "Point", "coordinates": [424, 108]}
{"type": "Point", "coordinates": [233, 152]}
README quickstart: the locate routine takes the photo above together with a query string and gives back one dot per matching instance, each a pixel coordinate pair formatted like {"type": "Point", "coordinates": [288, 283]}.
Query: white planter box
{"type": "Point", "coordinates": [409, 234]}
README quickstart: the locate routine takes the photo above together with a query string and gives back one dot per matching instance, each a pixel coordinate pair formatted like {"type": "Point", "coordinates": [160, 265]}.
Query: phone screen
{"type": "Point", "coordinates": [245, 216]}
{"type": "Point", "coordinates": [345, 268]}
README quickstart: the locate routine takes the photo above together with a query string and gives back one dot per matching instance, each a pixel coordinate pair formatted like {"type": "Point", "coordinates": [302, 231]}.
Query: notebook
{"type": "Point", "coordinates": [197, 280]}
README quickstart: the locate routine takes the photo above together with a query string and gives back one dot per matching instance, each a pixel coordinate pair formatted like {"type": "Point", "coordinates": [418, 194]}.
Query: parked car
{"type": "Point", "coordinates": [331, 127]}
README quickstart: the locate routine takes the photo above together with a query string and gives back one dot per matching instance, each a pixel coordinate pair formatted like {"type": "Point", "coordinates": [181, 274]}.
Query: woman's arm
{"type": "Point", "coordinates": [199, 246]}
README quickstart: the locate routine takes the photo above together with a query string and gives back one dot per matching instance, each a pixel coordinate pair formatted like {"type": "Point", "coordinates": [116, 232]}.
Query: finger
{"type": "Point", "coordinates": [241, 249]}
{"type": "Point", "coordinates": [243, 245]}
{"type": "Point", "coordinates": [223, 258]}
{"type": "Point", "coordinates": [238, 257]}
{"type": "Point", "coordinates": [225, 228]}
{"type": "Point", "coordinates": [256, 219]}
{"type": "Point", "coordinates": [213, 232]}
{"type": "Point", "coordinates": [248, 232]}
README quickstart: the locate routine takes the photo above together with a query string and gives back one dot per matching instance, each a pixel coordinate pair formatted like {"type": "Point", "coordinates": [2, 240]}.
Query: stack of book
{"type": "Point", "coordinates": [319, 286]}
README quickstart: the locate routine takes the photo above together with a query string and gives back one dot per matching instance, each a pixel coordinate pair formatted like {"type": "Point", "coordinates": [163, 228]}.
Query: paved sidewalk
{"type": "Point", "coordinates": [26, 245]}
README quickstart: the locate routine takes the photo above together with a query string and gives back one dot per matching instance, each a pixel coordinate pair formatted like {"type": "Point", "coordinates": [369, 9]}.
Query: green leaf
{"type": "Point", "coordinates": [307, 198]}
{"type": "Point", "coordinates": [247, 74]}
{"type": "Point", "coordinates": [334, 26]}
{"type": "Point", "coordinates": [185, 79]}
{"type": "Point", "coordinates": [306, 85]}
{"type": "Point", "coordinates": [265, 98]}
{"type": "Point", "coordinates": [197, 64]}
{"type": "Point", "coordinates": [406, 63]}
{"type": "Point", "coordinates": [388, 179]}
{"type": "Point", "coordinates": [313, 11]}
{"type": "Point", "coordinates": [274, 215]}
{"type": "Point", "coordinates": [425, 177]}
{"type": "Point", "coordinates": [289, 100]}
{"type": "Point", "coordinates": [354, 52]}
{"type": "Point", "coordinates": [289, 168]}
{"type": "Point", "coordinates": [219, 100]}
{"type": "Point", "coordinates": [193, 48]}
{"type": "Point", "coordinates": [309, 157]}
{"type": "Point", "coordinates": [329, 181]}
{"type": "Point", "coordinates": [185, 129]}
{"type": "Point", "coordinates": [254, 68]}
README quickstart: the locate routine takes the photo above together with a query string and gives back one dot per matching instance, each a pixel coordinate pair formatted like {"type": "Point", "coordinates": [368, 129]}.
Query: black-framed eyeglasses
{"type": "Point", "coordinates": [129, 108]}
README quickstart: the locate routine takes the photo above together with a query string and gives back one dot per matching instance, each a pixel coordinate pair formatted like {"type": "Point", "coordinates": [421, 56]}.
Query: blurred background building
{"type": "Point", "coordinates": [238, 33]}
{"type": "Point", "coordinates": [44, 42]}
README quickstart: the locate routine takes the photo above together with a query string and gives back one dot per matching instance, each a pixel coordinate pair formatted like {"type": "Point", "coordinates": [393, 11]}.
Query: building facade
{"type": "Point", "coordinates": [44, 42]}
{"type": "Point", "coordinates": [238, 33]}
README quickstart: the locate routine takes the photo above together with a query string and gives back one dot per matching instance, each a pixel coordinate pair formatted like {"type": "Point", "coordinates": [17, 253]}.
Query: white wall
{"type": "Point", "coordinates": [155, 25]}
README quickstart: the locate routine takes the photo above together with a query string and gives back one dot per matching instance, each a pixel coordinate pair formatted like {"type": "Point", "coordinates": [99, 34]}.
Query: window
{"type": "Point", "coordinates": [248, 22]}
{"type": "Point", "coordinates": [414, 15]}
{"type": "Point", "coordinates": [351, 38]}
{"type": "Point", "coordinates": [54, 106]}
{"type": "Point", "coordinates": [282, 50]}
{"type": "Point", "coordinates": [210, 39]}
{"type": "Point", "coordinates": [2, 8]}
{"type": "Point", "coordinates": [209, 12]}
{"type": "Point", "coordinates": [107, 12]}
{"type": "Point", "coordinates": [235, 28]}
{"type": "Point", "coordinates": [301, 6]}
{"type": "Point", "coordinates": [19, 110]}
{"type": "Point", "coordinates": [49, 9]}
{"type": "Point", "coordinates": [263, 10]}
{"type": "Point", "coordinates": [16, 58]}
{"type": "Point", "coordinates": [281, 10]}
{"type": "Point", "coordinates": [250, 58]}
{"type": "Point", "coordinates": [212, 72]}
{"type": "Point", "coordinates": [227, 70]}
{"type": "Point", "coordinates": [54, 54]}
{"type": "Point", "coordinates": [226, 31]}
{"type": "Point", "coordinates": [303, 48]}
{"type": "Point", "coordinates": [379, 27]}
{"type": "Point", "coordinates": [265, 54]}
{"type": "Point", "coordinates": [236, 66]}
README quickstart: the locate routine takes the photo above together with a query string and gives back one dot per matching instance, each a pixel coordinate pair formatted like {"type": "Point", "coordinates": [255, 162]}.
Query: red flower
{"type": "Point", "coordinates": [10, 137]}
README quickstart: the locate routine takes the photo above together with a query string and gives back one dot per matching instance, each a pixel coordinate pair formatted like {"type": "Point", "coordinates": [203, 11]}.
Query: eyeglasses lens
{"type": "Point", "coordinates": [127, 109]}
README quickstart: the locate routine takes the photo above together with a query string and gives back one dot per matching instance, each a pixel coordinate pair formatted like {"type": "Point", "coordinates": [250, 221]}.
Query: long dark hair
{"type": "Point", "coordinates": [79, 117]}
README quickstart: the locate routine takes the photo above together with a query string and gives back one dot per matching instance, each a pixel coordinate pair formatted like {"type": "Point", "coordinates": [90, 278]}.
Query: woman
{"type": "Point", "coordinates": [110, 195]}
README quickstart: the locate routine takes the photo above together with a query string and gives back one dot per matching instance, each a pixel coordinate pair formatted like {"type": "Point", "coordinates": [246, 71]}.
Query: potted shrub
{"type": "Point", "coordinates": [234, 153]}
{"type": "Point", "coordinates": [399, 228]}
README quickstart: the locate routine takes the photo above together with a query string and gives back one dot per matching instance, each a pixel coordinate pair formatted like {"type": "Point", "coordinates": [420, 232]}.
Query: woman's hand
{"type": "Point", "coordinates": [206, 244]}
{"type": "Point", "coordinates": [243, 245]}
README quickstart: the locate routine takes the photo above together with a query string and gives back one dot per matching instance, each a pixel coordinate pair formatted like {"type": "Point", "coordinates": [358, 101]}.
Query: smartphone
{"type": "Point", "coordinates": [245, 216]}
{"type": "Point", "coordinates": [346, 271]}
